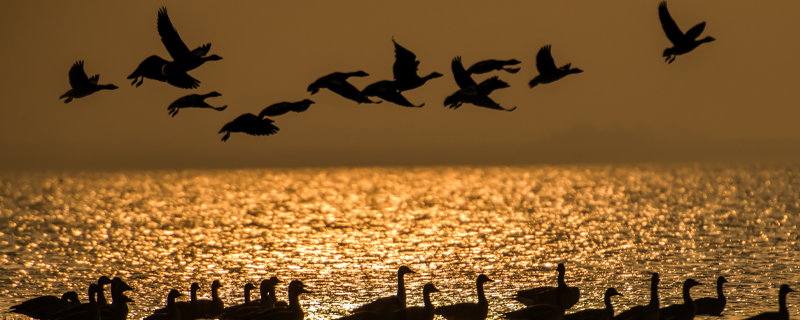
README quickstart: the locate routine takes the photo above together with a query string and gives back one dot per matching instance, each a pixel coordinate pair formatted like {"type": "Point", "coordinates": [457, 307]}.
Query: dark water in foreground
{"type": "Point", "coordinates": [344, 232]}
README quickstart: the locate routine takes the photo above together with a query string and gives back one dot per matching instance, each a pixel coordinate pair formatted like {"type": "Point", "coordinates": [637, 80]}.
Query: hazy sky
{"type": "Point", "coordinates": [735, 99]}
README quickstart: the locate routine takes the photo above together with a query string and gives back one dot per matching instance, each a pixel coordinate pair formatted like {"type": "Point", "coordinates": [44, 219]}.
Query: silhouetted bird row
{"type": "Point", "coordinates": [404, 69]}
{"type": "Point", "coordinates": [542, 303]}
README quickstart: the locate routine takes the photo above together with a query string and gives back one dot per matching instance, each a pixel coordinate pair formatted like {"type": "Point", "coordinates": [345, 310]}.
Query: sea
{"type": "Point", "coordinates": [344, 232]}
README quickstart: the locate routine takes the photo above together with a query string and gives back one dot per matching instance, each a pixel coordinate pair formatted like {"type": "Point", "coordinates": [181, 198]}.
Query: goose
{"type": "Point", "coordinates": [388, 90]}
{"type": "Point", "coordinates": [211, 309]}
{"type": "Point", "coordinates": [82, 85]}
{"type": "Point", "coordinates": [469, 310]}
{"type": "Point", "coordinates": [681, 43]}
{"type": "Point", "coordinates": [85, 308]}
{"type": "Point", "coordinates": [294, 311]}
{"type": "Point", "coordinates": [684, 311]}
{"type": "Point", "coordinates": [87, 311]}
{"type": "Point", "coordinates": [231, 311]}
{"type": "Point", "coordinates": [471, 92]}
{"type": "Point", "coordinates": [250, 124]}
{"type": "Point", "coordinates": [184, 60]}
{"type": "Point", "coordinates": [267, 301]}
{"type": "Point", "coordinates": [405, 69]}
{"type": "Point", "coordinates": [426, 312]}
{"type": "Point", "coordinates": [648, 312]}
{"type": "Point", "coordinates": [189, 309]}
{"type": "Point", "coordinates": [490, 65]}
{"type": "Point", "coordinates": [173, 312]}
{"type": "Point", "coordinates": [547, 68]}
{"type": "Point", "coordinates": [597, 314]}
{"type": "Point", "coordinates": [546, 295]}
{"type": "Point", "coordinates": [248, 287]}
{"type": "Point", "coordinates": [281, 108]}
{"type": "Point", "coordinates": [542, 311]}
{"type": "Point", "coordinates": [194, 101]}
{"type": "Point", "coordinates": [712, 306]}
{"type": "Point", "coordinates": [337, 82]}
{"type": "Point", "coordinates": [42, 307]}
{"type": "Point", "coordinates": [118, 309]}
{"type": "Point", "coordinates": [783, 312]}
{"type": "Point", "coordinates": [153, 68]}
{"type": "Point", "coordinates": [388, 305]}
{"type": "Point", "coordinates": [101, 296]}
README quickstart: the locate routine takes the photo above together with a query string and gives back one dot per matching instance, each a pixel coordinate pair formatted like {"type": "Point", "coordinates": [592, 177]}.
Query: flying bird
{"type": "Point", "coordinates": [490, 65]}
{"type": "Point", "coordinates": [284, 107]}
{"type": "Point", "coordinates": [194, 101]}
{"type": "Point", "coordinates": [185, 60]}
{"type": "Point", "coordinates": [388, 90]}
{"type": "Point", "coordinates": [681, 43]}
{"type": "Point", "coordinates": [471, 92]}
{"type": "Point", "coordinates": [547, 68]}
{"type": "Point", "coordinates": [337, 82]}
{"type": "Point", "coordinates": [250, 124]}
{"type": "Point", "coordinates": [405, 69]}
{"type": "Point", "coordinates": [153, 68]}
{"type": "Point", "coordinates": [82, 85]}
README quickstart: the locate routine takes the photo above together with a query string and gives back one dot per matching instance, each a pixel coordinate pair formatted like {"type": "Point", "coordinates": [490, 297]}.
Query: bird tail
{"type": "Point", "coordinates": [512, 70]}
{"type": "Point", "coordinates": [66, 95]}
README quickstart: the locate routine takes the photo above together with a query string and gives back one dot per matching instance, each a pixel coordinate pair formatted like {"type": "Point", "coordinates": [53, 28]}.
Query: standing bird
{"type": "Point", "coordinates": [281, 108]}
{"type": "Point", "coordinates": [81, 84]}
{"type": "Point", "coordinates": [389, 91]}
{"type": "Point", "coordinates": [783, 312]}
{"type": "Point", "coordinates": [425, 312]}
{"type": "Point", "coordinates": [153, 68]}
{"type": "Point", "coordinates": [468, 310]}
{"type": "Point", "coordinates": [405, 70]}
{"type": "Point", "coordinates": [250, 124]}
{"type": "Point", "coordinates": [648, 312]}
{"type": "Point", "coordinates": [185, 60]}
{"type": "Point", "coordinates": [547, 295]}
{"type": "Point", "coordinates": [681, 43]}
{"type": "Point", "coordinates": [337, 82]}
{"type": "Point", "coordinates": [713, 306]}
{"type": "Point", "coordinates": [685, 310]}
{"type": "Point", "coordinates": [597, 314]}
{"type": "Point", "coordinates": [490, 65]}
{"type": "Point", "coordinates": [471, 92]}
{"type": "Point", "coordinates": [388, 305]}
{"type": "Point", "coordinates": [194, 101]}
{"type": "Point", "coordinates": [547, 68]}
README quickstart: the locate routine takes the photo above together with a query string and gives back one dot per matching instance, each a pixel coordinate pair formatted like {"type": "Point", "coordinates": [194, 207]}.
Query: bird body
{"type": "Point", "coordinates": [211, 309]}
{"type": "Point", "coordinates": [250, 124]}
{"type": "Point", "coordinates": [542, 311]}
{"type": "Point", "coordinates": [548, 72]}
{"type": "Point", "coordinates": [194, 101]}
{"type": "Point", "coordinates": [713, 306]}
{"type": "Point", "coordinates": [597, 314]}
{"type": "Point", "coordinates": [425, 312]}
{"type": "Point", "coordinates": [337, 82]}
{"type": "Point", "coordinates": [189, 310]}
{"type": "Point", "coordinates": [685, 310]}
{"type": "Point", "coordinates": [547, 295]}
{"type": "Point", "coordinates": [681, 43]}
{"type": "Point", "coordinates": [468, 311]}
{"type": "Point", "coordinates": [282, 108]}
{"type": "Point", "coordinates": [783, 311]}
{"type": "Point", "coordinates": [471, 92]}
{"type": "Point", "coordinates": [294, 311]}
{"type": "Point", "coordinates": [82, 85]}
{"type": "Point", "coordinates": [490, 65]}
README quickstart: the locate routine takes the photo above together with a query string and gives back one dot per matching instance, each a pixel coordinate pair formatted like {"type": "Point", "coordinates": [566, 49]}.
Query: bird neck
{"type": "Point", "coordinates": [607, 300]}
{"type": "Point", "coordinates": [782, 304]}
{"type": "Point", "coordinates": [654, 295]}
{"type": "Point", "coordinates": [193, 295]}
{"type": "Point", "coordinates": [720, 294]}
{"type": "Point", "coordinates": [247, 295]}
{"type": "Point", "coordinates": [687, 298]}
{"type": "Point", "coordinates": [215, 293]}
{"type": "Point", "coordinates": [426, 297]}
{"type": "Point", "coordinates": [481, 295]}
{"type": "Point", "coordinates": [92, 299]}
{"type": "Point", "coordinates": [561, 282]}
{"type": "Point", "coordinates": [401, 289]}
{"type": "Point", "coordinates": [101, 297]}
{"type": "Point", "coordinates": [294, 301]}
{"type": "Point", "coordinates": [430, 76]}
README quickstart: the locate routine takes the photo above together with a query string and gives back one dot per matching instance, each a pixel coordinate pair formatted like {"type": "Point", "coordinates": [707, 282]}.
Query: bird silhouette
{"type": "Point", "coordinates": [547, 68]}
{"type": "Point", "coordinates": [405, 70]}
{"type": "Point", "coordinates": [82, 85]}
{"type": "Point", "coordinates": [281, 108]}
{"type": "Point", "coordinates": [337, 82]}
{"type": "Point", "coordinates": [184, 60]}
{"type": "Point", "coordinates": [681, 43]}
{"type": "Point", "coordinates": [250, 124]}
{"type": "Point", "coordinates": [387, 90]}
{"type": "Point", "coordinates": [153, 68]}
{"type": "Point", "coordinates": [471, 92]}
{"type": "Point", "coordinates": [490, 65]}
{"type": "Point", "coordinates": [194, 101]}
{"type": "Point", "coordinates": [783, 311]}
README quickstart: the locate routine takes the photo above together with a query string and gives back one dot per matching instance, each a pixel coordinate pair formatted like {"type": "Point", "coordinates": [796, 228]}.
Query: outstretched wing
{"type": "Point", "coordinates": [183, 80]}
{"type": "Point", "coordinates": [544, 60]}
{"type": "Point", "coordinates": [202, 51]}
{"type": "Point", "coordinates": [169, 36]}
{"type": "Point", "coordinates": [405, 63]}
{"type": "Point", "coordinates": [674, 33]}
{"type": "Point", "coordinates": [487, 86]}
{"type": "Point", "coordinates": [77, 77]}
{"type": "Point", "coordinates": [262, 127]}
{"type": "Point", "coordinates": [695, 31]}
{"type": "Point", "coordinates": [486, 102]}
{"type": "Point", "coordinates": [462, 77]}
{"type": "Point", "coordinates": [94, 79]}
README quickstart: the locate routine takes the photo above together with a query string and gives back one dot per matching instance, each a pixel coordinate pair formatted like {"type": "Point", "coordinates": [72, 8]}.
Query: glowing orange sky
{"type": "Point", "coordinates": [737, 94]}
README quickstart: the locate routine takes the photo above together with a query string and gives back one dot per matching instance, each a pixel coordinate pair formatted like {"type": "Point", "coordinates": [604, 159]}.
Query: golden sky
{"type": "Point", "coordinates": [735, 99]}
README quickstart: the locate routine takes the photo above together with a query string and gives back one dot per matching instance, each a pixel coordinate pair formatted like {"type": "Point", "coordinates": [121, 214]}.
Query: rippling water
{"type": "Point", "coordinates": [344, 232]}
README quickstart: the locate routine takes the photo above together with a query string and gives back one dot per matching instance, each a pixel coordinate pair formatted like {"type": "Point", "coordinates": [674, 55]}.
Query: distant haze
{"type": "Point", "coordinates": [732, 100]}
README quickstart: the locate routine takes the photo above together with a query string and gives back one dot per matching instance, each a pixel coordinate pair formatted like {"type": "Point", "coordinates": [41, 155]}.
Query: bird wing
{"type": "Point", "coordinates": [183, 80]}
{"type": "Point", "coordinates": [486, 102]}
{"type": "Point", "coordinates": [544, 60]}
{"type": "Point", "coordinates": [202, 51]}
{"type": "Point", "coordinates": [462, 77]}
{"type": "Point", "coordinates": [381, 305]}
{"type": "Point", "coordinates": [77, 77]}
{"type": "Point", "coordinates": [275, 109]}
{"type": "Point", "coordinates": [344, 89]}
{"type": "Point", "coordinates": [391, 94]}
{"type": "Point", "coordinates": [405, 63]}
{"type": "Point", "coordinates": [94, 79]}
{"type": "Point", "coordinates": [169, 36]}
{"type": "Point", "coordinates": [695, 31]}
{"type": "Point", "coordinates": [674, 33]}
{"type": "Point", "coordinates": [487, 86]}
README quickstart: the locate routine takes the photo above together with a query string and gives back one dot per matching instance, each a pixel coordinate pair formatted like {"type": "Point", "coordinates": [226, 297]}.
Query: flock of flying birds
{"type": "Point", "coordinates": [405, 77]}
{"type": "Point", "coordinates": [542, 303]}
